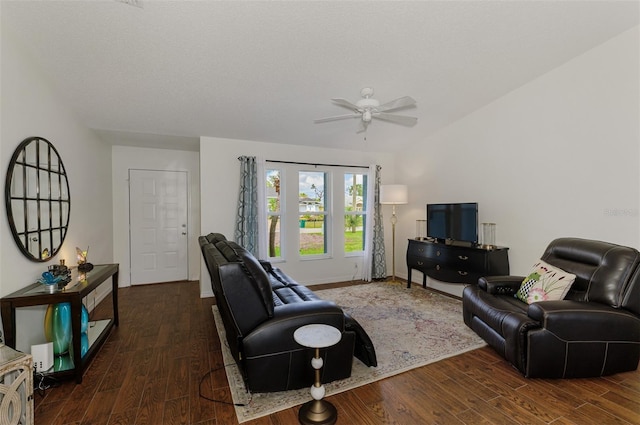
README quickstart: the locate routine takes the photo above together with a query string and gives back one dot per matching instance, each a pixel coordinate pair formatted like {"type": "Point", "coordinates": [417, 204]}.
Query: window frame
{"type": "Point", "coordinates": [326, 213]}
{"type": "Point", "coordinates": [281, 213]}
{"type": "Point", "coordinates": [364, 212]}
{"type": "Point", "coordinates": [332, 215]}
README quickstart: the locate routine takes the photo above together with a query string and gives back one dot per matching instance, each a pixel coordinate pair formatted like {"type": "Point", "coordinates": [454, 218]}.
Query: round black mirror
{"type": "Point", "coordinates": [37, 199]}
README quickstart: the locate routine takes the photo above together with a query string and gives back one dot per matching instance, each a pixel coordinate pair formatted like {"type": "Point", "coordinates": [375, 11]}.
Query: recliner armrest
{"type": "Point", "coordinates": [500, 285]}
{"type": "Point", "coordinates": [276, 334]}
{"type": "Point", "coordinates": [586, 321]}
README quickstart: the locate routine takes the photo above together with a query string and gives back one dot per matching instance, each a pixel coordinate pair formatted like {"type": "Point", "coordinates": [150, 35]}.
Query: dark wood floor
{"type": "Point", "coordinates": [149, 371]}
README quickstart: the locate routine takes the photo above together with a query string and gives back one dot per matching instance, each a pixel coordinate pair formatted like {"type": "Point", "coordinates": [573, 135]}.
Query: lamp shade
{"type": "Point", "coordinates": [394, 194]}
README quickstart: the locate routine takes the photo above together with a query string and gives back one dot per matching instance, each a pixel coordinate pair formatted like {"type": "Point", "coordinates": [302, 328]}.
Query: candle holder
{"type": "Point", "coordinates": [488, 235]}
{"type": "Point", "coordinates": [421, 230]}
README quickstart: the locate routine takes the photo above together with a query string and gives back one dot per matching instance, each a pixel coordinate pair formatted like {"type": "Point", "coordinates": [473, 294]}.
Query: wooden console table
{"type": "Point", "coordinates": [455, 264]}
{"type": "Point", "coordinates": [73, 293]}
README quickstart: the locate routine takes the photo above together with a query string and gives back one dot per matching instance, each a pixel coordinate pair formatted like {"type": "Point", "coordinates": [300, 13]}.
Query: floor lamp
{"type": "Point", "coordinates": [393, 194]}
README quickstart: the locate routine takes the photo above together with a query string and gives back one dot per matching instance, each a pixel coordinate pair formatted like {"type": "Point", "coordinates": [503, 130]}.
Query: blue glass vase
{"type": "Point", "coordinates": [84, 346]}
{"type": "Point", "coordinates": [57, 327]}
{"type": "Point", "coordinates": [61, 363]}
{"type": "Point", "coordinates": [84, 320]}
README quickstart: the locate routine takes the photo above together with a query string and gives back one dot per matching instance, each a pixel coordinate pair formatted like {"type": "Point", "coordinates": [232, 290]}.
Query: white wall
{"type": "Point", "coordinates": [126, 158]}
{"type": "Point", "coordinates": [219, 182]}
{"type": "Point", "coordinates": [560, 156]}
{"type": "Point", "coordinates": [30, 107]}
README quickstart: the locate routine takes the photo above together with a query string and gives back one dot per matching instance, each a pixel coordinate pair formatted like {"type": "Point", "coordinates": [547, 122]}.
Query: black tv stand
{"type": "Point", "coordinates": [455, 263]}
{"type": "Point", "coordinates": [453, 242]}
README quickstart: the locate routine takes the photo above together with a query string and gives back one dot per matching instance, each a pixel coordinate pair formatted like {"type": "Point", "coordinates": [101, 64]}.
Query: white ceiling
{"type": "Point", "coordinates": [265, 70]}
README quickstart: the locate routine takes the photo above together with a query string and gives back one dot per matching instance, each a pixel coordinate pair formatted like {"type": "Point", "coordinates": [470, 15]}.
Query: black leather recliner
{"type": "Point", "coordinates": [593, 331]}
{"type": "Point", "coordinates": [261, 307]}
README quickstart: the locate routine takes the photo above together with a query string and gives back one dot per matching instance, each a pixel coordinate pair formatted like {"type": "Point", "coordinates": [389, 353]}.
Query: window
{"type": "Point", "coordinates": [315, 212]}
{"type": "Point", "coordinates": [355, 213]}
{"type": "Point", "coordinates": [274, 213]}
{"type": "Point", "coordinates": [313, 215]}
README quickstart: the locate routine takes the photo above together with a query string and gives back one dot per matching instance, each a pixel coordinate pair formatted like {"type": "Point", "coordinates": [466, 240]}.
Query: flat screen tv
{"type": "Point", "coordinates": [456, 222]}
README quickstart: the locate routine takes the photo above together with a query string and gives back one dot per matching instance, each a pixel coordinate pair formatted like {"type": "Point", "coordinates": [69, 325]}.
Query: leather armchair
{"type": "Point", "coordinates": [593, 331]}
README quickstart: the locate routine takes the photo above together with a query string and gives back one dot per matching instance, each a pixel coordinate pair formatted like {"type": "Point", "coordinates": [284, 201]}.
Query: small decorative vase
{"type": "Point", "coordinates": [50, 282]}
{"type": "Point", "coordinates": [57, 327]}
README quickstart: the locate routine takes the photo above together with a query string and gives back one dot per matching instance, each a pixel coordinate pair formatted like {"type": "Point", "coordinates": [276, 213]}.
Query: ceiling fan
{"type": "Point", "coordinates": [368, 108]}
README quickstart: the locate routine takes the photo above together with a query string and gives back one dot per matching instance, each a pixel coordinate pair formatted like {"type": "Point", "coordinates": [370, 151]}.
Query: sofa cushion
{"type": "Point", "coordinates": [287, 291]}
{"type": "Point", "coordinates": [257, 274]}
{"type": "Point", "coordinates": [228, 251]}
{"type": "Point", "coordinates": [215, 237]}
{"type": "Point", "coordinates": [545, 283]}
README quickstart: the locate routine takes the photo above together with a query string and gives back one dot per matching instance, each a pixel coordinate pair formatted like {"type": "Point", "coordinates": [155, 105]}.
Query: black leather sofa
{"type": "Point", "coordinates": [593, 331]}
{"type": "Point", "coordinates": [261, 307]}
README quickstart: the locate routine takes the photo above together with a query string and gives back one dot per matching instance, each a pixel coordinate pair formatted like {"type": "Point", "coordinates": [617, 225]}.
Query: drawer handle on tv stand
{"type": "Point", "coordinates": [461, 273]}
{"type": "Point", "coordinates": [463, 257]}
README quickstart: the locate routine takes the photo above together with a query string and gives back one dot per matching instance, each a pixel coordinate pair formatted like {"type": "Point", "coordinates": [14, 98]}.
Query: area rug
{"type": "Point", "coordinates": [409, 328]}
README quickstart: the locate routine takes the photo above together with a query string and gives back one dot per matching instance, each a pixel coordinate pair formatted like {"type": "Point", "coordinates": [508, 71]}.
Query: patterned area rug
{"type": "Point", "coordinates": [409, 328]}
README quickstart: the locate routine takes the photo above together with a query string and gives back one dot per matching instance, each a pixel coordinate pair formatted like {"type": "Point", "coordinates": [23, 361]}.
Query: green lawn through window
{"type": "Point", "coordinates": [352, 243]}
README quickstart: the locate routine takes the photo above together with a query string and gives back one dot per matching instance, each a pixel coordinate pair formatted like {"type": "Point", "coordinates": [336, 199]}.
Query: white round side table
{"type": "Point", "coordinates": [317, 336]}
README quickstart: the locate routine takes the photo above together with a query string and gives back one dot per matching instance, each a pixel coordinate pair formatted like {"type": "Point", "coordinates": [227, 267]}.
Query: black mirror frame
{"type": "Point", "coordinates": [46, 168]}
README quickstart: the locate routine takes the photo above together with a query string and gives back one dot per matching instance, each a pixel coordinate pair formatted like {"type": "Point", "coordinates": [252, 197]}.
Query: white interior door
{"type": "Point", "coordinates": [158, 226]}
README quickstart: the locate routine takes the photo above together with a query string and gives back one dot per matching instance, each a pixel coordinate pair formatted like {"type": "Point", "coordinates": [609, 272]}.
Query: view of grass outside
{"type": "Point", "coordinates": [354, 211]}
{"type": "Point", "coordinates": [312, 218]}
{"type": "Point", "coordinates": [353, 241]}
{"type": "Point", "coordinates": [312, 204]}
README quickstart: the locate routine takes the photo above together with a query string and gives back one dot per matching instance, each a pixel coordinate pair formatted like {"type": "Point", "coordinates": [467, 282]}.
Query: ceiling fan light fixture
{"type": "Point", "coordinates": [367, 103]}
{"type": "Point", "coordinates": [366, 92]}
{"type": "Point", "coordinates": [368, 108]}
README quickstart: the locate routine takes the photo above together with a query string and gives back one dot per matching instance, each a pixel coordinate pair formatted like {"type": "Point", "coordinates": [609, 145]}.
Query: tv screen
{"type": "Point", "coordinates": [458, 222]}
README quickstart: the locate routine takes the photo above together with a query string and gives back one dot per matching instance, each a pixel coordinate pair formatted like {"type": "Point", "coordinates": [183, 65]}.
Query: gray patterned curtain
{"type": "Point", "coordinates": [246, 233]}
{"type": "Point", "coordinates": [379, 262]}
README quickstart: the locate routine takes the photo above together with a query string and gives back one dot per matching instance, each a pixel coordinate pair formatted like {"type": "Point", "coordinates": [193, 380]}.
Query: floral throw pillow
{"type": "Point", "coordinates": [545, 282]}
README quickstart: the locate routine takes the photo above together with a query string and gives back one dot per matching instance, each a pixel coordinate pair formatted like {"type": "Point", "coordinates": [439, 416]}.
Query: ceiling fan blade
{"type": "Point", "coordinates": [337, 117]}
{"type": "Point", "coordinates": [401, 102]}
{"type": "Point", "coordinates": [346, 104]}
{"type": "Point", "coordinates": [398, 119]}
